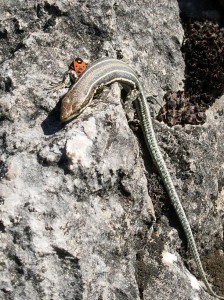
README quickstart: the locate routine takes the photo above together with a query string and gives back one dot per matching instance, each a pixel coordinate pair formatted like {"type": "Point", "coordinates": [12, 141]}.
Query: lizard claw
{"type": "Point", "coordinates": [54, 86]}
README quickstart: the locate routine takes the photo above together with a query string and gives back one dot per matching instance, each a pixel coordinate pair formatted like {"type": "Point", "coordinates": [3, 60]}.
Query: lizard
{"type": "Point", "coordinates": [103, 72]}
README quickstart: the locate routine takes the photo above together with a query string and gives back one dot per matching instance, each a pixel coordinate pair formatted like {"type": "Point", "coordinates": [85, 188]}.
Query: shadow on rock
{"type": "Point", "coordinates": [52, 123]}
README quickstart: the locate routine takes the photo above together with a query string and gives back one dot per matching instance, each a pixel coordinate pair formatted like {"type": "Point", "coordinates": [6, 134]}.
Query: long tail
{"type": "Point", "coordinates": [150, 138]}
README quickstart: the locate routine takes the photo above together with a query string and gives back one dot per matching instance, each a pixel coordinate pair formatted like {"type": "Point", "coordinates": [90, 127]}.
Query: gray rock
{"type": "Point", "coordinates": [76, 215]}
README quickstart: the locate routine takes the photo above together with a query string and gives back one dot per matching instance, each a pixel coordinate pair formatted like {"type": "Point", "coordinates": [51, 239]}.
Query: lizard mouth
{"type": "Point", "coordinates": [66, 118]}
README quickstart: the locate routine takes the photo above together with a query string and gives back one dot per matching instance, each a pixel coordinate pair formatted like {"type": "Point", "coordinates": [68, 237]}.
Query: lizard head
{"type": "Point", "coordinates": [72, 105]}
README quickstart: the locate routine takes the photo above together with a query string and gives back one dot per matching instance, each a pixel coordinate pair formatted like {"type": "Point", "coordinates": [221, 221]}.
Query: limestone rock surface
{"type": "Point", "coordinates": [77, 219]}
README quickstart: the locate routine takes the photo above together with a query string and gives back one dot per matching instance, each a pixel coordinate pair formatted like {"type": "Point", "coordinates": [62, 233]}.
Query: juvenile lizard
{"type": "Point", "coordinates": [104, 72]}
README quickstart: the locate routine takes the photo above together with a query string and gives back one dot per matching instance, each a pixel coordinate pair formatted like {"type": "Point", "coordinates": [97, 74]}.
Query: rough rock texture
{"type": "Point", "coordinates": [203, 51]}
{"type": "Point", "coordinates": [76, 215]}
